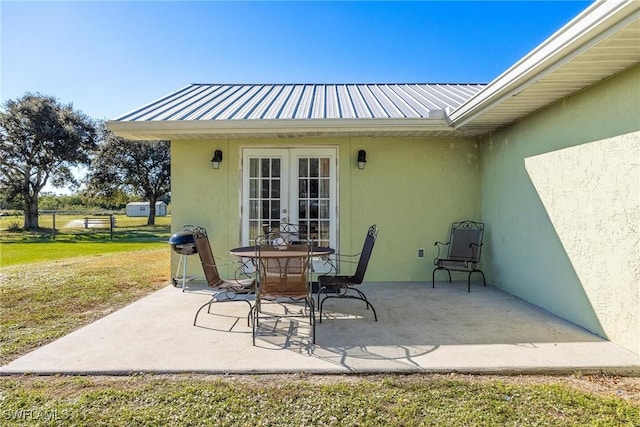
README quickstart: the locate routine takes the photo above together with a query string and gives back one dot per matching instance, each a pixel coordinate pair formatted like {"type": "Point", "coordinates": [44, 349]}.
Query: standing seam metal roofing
{"type": "Point", "coordinates": [303, 101]}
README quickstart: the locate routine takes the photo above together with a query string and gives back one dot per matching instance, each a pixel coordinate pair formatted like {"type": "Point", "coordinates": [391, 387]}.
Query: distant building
{"type": "Point", "coordinates": [142, 209]}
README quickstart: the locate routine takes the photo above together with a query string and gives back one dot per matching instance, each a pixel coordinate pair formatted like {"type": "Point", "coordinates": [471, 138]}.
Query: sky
{"type": "Point", "coordinates": [110, 57]}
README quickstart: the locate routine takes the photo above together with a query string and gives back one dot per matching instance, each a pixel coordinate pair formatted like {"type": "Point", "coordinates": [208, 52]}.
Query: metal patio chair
{"type": "Point", "coordinates": [462, 251]}
{"type": "Point", "coordinates": [344, 286]}
{"type": "Point", "coordinates": [284, 279]}
{"type": "Point", "coordinates": [224, 290]}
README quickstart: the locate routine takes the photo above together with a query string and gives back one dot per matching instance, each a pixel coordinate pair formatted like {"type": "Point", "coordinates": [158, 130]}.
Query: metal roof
{"type": "Point", "coordinates": [206, 111]}
{"type": "Point", "coordinates": [305, 101]}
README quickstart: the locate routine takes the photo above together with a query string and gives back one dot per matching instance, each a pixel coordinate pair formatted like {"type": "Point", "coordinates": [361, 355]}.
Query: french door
{"type": "Point", "coordinates": [290, 186]}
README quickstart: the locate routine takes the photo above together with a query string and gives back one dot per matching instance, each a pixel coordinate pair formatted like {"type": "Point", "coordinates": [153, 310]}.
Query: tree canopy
{"type": "Point", "coordinates": [142, 168]}
{"type": "Point", "coordinates": [40, 140]}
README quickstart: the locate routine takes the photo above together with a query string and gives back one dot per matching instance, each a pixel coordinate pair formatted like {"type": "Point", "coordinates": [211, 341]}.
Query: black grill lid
{"type": "Point", "coordinates": [181, 238]}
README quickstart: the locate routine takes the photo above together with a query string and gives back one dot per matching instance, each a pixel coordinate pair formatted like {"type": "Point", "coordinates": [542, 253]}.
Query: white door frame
{"type": "Point", "coordinates": [288, 188]}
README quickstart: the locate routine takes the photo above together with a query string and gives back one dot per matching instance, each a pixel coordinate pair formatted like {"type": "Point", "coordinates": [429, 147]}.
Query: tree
{"type": "Point", "coordinates": [116, 199]}
{"type": "Point", "coordinates": [40, 140]}
{"type": "Point", "coordinates": [142, 168]}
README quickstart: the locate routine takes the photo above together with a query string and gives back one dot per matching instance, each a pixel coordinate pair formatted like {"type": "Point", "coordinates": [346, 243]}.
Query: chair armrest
{"type": "Point", "coordinates": [440, 246]}
{"type": "Point", "coordinates": [475, 249]}
{"type": "Point", "coordinates": [334, 259]}
{"type": "Point", "coordinates": [348, 259]}
{"type": "Point", "coordinates": [239, 274]}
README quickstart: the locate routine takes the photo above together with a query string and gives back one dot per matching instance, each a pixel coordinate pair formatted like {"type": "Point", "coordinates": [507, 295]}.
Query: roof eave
{"type": "Point", "coordinates": [198, 129]}
{"type": "Point", "coordinates": [587, 29]}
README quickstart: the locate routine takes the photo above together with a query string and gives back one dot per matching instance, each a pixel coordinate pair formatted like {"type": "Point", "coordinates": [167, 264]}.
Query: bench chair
{"type": "Point", "coordinates": [344, 286]}
{"type": "Point", "coordinates": [284, 279]}
{"type": "Point", "coordinates": [461, 252]}
{"type": "Point", "coordinates": [236, 289]}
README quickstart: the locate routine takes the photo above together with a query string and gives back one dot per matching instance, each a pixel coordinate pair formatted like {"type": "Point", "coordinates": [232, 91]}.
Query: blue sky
{"type": "Point", "coordinates": [108, 58]}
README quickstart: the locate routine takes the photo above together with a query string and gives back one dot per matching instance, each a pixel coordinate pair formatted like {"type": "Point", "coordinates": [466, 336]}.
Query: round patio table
{"type": "Point", "coordinates": [288, 251]}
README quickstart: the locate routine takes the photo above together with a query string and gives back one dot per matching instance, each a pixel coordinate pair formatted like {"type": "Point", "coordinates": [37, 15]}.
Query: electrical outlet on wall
{"type": "Point", "coordinates": [420, 252]}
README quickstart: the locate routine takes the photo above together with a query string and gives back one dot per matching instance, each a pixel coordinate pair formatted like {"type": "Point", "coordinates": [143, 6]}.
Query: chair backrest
{"type": "Point", "coordinates": [466, 241]}
{"type": "Point", "coordinates": [206, 256]}
{"type": "Point", "coordinates": [365, 255]}
{"type": "Point", "coordinates": [284, 273]}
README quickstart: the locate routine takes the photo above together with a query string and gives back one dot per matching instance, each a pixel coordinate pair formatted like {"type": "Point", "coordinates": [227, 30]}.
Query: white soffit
{"type": "Point", "coordinates": [600, 42]}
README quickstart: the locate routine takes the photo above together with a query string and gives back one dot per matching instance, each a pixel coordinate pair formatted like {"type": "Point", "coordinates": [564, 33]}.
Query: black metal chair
{"type": "Point", "coordinates": [463, 251]}
{"type": "Point", "coordinates": [224, 290]}
{"type": "Point", "coordinates": [343, 286]}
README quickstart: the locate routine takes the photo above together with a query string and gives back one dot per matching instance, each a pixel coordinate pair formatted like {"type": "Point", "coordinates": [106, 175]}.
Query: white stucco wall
{"type": "Point", "coordinates": [561, 198]}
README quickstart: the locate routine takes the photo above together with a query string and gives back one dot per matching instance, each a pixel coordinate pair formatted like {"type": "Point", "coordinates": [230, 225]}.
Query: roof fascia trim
{"type": "Point", "coordinates": [567, 43]}
{"type": "Point", "coordinates": [276, 127]}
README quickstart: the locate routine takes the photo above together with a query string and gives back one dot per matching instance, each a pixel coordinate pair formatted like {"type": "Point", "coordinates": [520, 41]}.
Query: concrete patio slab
{"type": "Point", "coordinates": [420, 329]}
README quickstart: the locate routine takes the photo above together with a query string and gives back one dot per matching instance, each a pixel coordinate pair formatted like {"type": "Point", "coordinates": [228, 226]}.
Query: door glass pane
{"type": "Point", "coordinates": [313, 198]}
{"type": "Point", "coordinates": [253, 188]}
{"type": "Point", "coordinates": [314, 167]}
{"type": "Point", "coordinates": [303, 188]}
{"type": "Point", "coordinates": [313, 230]}
{"type": "Point", "coordinates": [323, 235]}
{"type": "Point", "coordinates": [255, 229]}
{"type": "Point", "coordinates": [265, 189]}
{"type": "Point", "coordinates": [303, 209]}
{"type": "Point", "coordinates": [275, 209]}
{"type": "Point", "coordinates": [324, 167]}
{"type": "Point", "coordinates": [264, 195]}
{"type": "Point", "coordinates": [253, 168]}
{"type": "Point", "coordinates": [264, 167]}
{"type": "Point", "coordinates": [324, 188]}
{"type": "Point", "coordinates": [254, 212]}
{"type": "Point", "coordinates": [323, 209]}
{"type": "Point", "coordinates": [313, 188]}
{"type": "Point", "coordinates": [303, 167]}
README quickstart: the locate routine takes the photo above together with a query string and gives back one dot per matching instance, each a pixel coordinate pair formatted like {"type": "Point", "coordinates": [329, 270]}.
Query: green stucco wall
{"type": "Point", "coordinates": [561, 201]}
{"type": "Point", "coordinates": [412, 188]}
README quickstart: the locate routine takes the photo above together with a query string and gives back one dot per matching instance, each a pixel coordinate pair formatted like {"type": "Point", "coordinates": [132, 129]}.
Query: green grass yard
{"type": "Point", "coordinates": [18, 253]}
{"type": "Point", "coordinates": [386, 400]}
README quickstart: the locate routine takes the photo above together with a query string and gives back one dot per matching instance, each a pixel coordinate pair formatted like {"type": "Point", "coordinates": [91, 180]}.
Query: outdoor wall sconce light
{"type": "Point", "coordinates": [217, 159]}
{"type": "Point", "coordinates": [362, 159]}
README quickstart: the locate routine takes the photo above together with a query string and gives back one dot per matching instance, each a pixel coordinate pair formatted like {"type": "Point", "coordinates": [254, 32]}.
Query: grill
{"type": "Point", "coordinates": [183, 243]}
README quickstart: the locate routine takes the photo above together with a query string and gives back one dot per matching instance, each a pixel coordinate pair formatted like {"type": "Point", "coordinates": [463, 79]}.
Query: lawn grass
{"type": "Point", "coordinates": [14, 253]}
{"type": "Point", "coordinates": [132, 234]}
{"type": "Point", "coordinates": [387, 400]}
